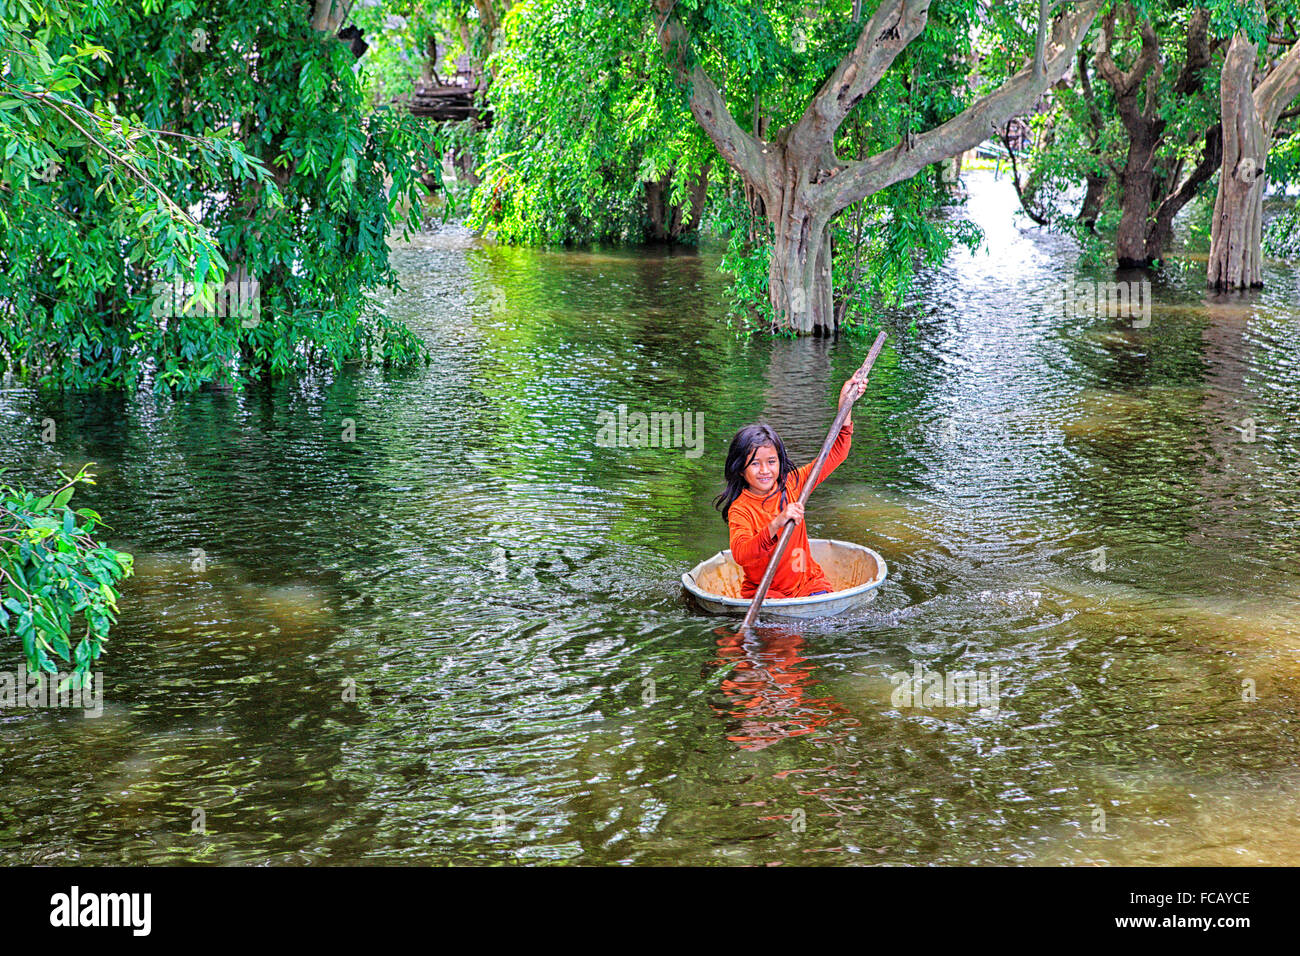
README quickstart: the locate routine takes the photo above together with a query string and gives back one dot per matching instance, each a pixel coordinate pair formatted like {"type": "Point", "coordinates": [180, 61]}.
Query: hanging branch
{"type": "Point", "coordinates": [1005, 134]}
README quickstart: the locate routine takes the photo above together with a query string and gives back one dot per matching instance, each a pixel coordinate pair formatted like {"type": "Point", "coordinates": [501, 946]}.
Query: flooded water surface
{"type": "Point", "coordinates": [427, 617]}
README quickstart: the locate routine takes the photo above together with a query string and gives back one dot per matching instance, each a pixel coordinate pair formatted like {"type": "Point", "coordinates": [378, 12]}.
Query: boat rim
{"type": "Point", "coordinates": [879, 579]}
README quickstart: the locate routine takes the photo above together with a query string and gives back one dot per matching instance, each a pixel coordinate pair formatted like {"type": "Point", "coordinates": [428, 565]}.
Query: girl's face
{"type": "Point", "coordinates": [761, 472]}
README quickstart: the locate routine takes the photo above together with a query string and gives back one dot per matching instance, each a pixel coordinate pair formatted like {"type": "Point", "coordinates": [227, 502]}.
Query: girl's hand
{"type": "Point", "coordinates": [853, 389]}
{"type": "Point", "coordinates": [793, 512]}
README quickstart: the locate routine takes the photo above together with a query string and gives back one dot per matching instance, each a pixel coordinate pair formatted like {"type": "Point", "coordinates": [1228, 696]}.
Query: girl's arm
{"type": "Point", "coordinates": [858, 386]}
{"type": "Point", "coordinates": [839, 451]}
{"type": "Point", "coordinates": [749, 544]}
{"type": "Point", "coordinates": [843, 441]}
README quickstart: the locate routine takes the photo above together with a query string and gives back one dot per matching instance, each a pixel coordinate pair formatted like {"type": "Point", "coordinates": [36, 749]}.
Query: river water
{"type": "Point", "coordinates": [424, 617]}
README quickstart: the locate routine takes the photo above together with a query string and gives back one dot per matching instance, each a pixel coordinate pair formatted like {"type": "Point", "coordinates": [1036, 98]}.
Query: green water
{"type": "Point", "coordinates": [459, 638]}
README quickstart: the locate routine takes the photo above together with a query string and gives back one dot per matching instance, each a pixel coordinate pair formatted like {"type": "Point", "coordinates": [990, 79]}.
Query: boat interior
{"type": "Point", "coordinates": [845, 568]}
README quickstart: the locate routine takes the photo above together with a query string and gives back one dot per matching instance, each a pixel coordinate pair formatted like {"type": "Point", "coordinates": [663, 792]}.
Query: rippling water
{"type": "Point", "coordinates": [459, 637]}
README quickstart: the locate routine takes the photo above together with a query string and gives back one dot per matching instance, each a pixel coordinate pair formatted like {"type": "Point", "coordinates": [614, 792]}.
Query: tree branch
{"type": "Point", "coordinates": [1033, 214]}
{"type": "Point", "coordinates": [1198, 55]}
{"type": "Point", "coordinates": [1124, 83]}
{"type": "Point", "coordinates": [895, 24]}
{"type": "Point", "coordinates": [1040, 43]}
{"type": "Point", "coordinates": [1280, 87]}
{"type": "Point", "coordinates": [852, 182]}
{"type": "Point", "coordinates": [741, 150]}
{"type": "Point", "coordinates": [1211, 159]}
{"type": "Point", "coordinates": [117, 160]}
{"type": "Point", "coordinates": [1089, 99]}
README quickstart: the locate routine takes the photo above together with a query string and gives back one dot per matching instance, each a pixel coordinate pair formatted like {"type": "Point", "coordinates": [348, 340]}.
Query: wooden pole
{"type": "Point", "coordinates": [788, 531]}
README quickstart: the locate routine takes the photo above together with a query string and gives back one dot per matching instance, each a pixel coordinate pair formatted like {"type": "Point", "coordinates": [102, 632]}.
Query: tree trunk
{"type": "Point", "coordinates": [1239, 205]}
{"type": "Point", "coordinates": [1153, 191]}
{"type": "Point", "coordinates": [699, 195]}
{"type": "Point", "coordinates": [1250, 116]}
{"type": "Point", "coordinates": [327, 15]}
{"type": "Point", "coordinates": [668, 222]}
{"type": "Point", "coordinates": [1135, 198]}
{"type": "Point", "coordinates": [799, 275]}
{"type": "Point", "coordinates": [1092, 200]}
{"type": "Point", "coordinates": [800, 267]}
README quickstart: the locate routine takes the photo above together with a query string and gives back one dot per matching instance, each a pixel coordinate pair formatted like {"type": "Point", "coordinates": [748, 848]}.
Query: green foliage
{"type": "Point", "coordinates": [1281, 237]}
{"type": "Point", "coordinates": [1284, 158]}
{"type": "Point", "coordinates": [1250, 17]}
{"type": "Point", "coordinates": [399, 36]}
{"type": "Point", "coordinates": [584, 114]}
{"type": "Point", "coordinates": [899, 231]}
{"type": "Point", "coordinates": [192, 145]}
{"type": "Point", "coordinates": [746, 259]}
{"type": "Point", "coordinates": [57, 580]}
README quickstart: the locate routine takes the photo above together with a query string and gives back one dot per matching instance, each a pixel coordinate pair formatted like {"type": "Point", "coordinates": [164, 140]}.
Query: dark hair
{"type": "Point", "coordinates": [743, 448]}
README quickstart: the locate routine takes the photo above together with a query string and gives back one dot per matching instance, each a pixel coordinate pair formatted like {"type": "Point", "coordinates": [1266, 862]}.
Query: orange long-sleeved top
{"type": "Point", "coordinates": [798, 575]}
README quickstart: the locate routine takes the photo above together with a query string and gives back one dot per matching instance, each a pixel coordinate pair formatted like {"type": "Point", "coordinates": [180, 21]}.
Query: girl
{"type": "Point", "coordinates": [763, 488]}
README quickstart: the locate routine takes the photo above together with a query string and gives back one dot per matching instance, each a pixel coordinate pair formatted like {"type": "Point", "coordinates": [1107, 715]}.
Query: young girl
{"type": "Point", "coordinates": [762, 494]}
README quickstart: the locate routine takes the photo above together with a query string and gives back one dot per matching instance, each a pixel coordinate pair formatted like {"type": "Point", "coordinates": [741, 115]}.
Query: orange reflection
{"type": "Point", "coordinates": [769, 688]}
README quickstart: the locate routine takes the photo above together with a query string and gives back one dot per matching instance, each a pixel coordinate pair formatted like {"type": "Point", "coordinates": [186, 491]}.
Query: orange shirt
{"type": "Point", "coordinates": [798, 575]}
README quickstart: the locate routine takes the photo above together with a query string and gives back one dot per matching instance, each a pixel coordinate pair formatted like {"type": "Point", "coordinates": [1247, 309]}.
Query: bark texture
{"type": "Point", "coordinates": [669, 221]}
{"type": "Point", "coordinates": [1250, 117]}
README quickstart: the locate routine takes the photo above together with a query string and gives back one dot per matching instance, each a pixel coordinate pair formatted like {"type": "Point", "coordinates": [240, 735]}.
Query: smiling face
{"type": "Point", "coordinates": [761, 472]}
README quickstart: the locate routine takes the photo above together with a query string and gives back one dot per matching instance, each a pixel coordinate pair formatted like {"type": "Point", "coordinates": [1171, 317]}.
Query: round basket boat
{"type": "Point", "coordinates": [855, 572]}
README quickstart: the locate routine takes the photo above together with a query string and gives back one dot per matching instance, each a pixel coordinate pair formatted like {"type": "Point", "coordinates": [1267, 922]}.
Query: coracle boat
{"type": "Point", "coordinates": [854, 571]}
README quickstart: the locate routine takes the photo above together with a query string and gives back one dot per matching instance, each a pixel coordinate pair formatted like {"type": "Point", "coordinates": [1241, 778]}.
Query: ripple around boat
{"type": "Point", "coordinates": [855, 571]}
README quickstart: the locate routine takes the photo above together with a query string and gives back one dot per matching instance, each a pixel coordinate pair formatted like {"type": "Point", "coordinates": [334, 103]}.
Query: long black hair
{"type": "Point", "coordinates": [743, 447]}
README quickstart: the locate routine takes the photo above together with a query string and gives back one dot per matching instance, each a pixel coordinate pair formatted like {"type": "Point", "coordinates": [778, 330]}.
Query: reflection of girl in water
{"type": "Point", "coordinates": [768, 689]}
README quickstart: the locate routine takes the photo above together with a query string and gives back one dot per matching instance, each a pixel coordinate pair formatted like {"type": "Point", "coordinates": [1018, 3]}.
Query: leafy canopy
{"type": "Point", "coordinates": [163, 158]}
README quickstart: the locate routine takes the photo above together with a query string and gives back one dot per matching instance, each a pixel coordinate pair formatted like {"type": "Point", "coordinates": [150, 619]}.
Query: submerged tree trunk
{"type": "Point", "coordinates": [1239, 205]}
{"type": "Point", "coordinates": [800, 180]}
{"type": "Point", "coordinates": [1144, 126]}
{"type": "Point", "coordinates": [1250, 117]}
{"type": "Point", "coordinates": [1135, 191]}
{"type": "Point", "coordinates": [799, 272]}
{"type": "Point", "coordinates": [1099, 177]}
{"type": "Point", "coordinates": [1093, 197]}
{"type": "Point", "coordinates": [1151, 192]}
{"type": "Point", "coordinates": [668, 221]}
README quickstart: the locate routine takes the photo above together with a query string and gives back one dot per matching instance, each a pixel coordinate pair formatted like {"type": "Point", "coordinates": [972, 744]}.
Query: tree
{"type": "Point", "coordinates": [589, 141]}
{"type": "Point", "coordinates": [801, 181]}
{"type": "Point", "coordinates": [159, 155]}
{"type": "Point", "coordinates": [1153, 189]}
{"type": "Point", "coordinates": [1250, 119]}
